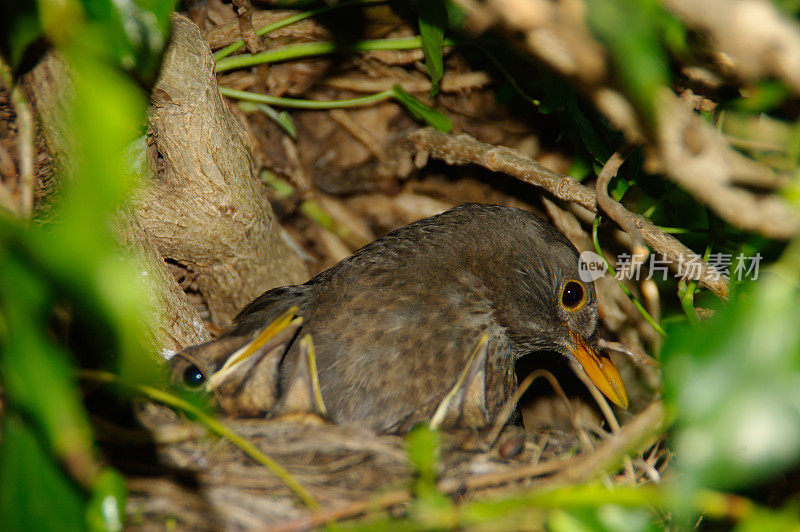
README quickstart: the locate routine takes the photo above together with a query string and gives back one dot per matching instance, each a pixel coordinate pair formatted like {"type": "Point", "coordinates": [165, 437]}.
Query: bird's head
{"type": "Point", "coordinates": [542, 301]}
{"type": "Point", "coordinates": [240, 370]}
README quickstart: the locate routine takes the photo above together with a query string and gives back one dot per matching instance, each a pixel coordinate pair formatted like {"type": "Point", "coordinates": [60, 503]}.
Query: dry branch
{"type": "Point", "coordinates": [754, 39]}
{"type": "Point", "coordinates": [643, 230]}
{"type": "Point", "coordinates": [463, 149]}
{"type": "Point", "coordinates": [245, 11]}
{"type": "Point", "coordinates": [701, 161]}
{"type": "Point", "coordinates": [633, 435]}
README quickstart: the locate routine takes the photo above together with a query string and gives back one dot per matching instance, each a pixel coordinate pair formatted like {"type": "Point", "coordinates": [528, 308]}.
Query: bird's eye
{"type": "Point", "coordinates": [193, 377]}
{"type": "Point", "coordinates": [573, 295]}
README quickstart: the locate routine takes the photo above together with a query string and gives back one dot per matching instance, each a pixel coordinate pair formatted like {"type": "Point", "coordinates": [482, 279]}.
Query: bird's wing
{"type": "Point", "coordinates": [267, 307]}
{"type": "Point", "coordinates": [389, 353]}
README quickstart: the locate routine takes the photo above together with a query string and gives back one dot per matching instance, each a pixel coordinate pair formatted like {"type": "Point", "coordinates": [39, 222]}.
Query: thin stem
{"type": "Point", "coordinates": [516, 86]}
{"type": "Point", "coordinates": [305, 104]}
{"type": "Point", "coordinates": [636, 303]}
{"type": "Point", "coordinates": [682, 230]}
{"type": "Point", "coordinates": [288, 21]}
{"type": "Point", "coordinates": [212, 424]}
{"type": "Point", "coordinates": [310, 49]}
{"type": "Point", "coordinates": [687, 295]}
{"type": "Point", "coordinates": [312, 210]}
{"type": "Point", "coordinates": [714, 504]}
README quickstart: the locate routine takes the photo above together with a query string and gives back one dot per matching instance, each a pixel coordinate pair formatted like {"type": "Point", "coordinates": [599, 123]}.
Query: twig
{"type": "Point", "coordinates": [640, 358]}
{"type": "Point", "coordinates": [614, 209]}
{"type": "Point", "coordinates": [585, 466]}
{"type": "Point", "coordinates": [643, 230]}
{"type": "Point", "coordinates": [393, 498]}
{"type": "Point", "coordinates": [511, 404]}
{"type": "Point", "coordinates": [607, 412]}
{"type": "Point", "coordinates": [464, 149]}
{"type": "Point", "coordinates": [245, 12]}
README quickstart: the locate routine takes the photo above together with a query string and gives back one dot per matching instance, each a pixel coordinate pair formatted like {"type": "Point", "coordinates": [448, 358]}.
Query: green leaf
{"type": "Point", "coordinates": [132, 33]}
{"type": "Point", "coordinates": [106, 509]}
{"type": "Point", "coordinates": [430, 507]}
{"type": "Point", "coordinates": [580, 168]}
{"type": "Point", "coordinates": [589, 133]}
{"type": "Point", "coordinates": [423, 451]}
{"type": "Point", "coordinates": [420, 111]}
{"type": "Point", "coordinates": [602, 518]}
{"type": "Point", "coordinates": [733, 383]}
{"type": "Point", "coordinates": [283, 119]}
{"type": "Point", "coordinates": [432, 23]}
{"type": "Point", "coordinates": [631, 31]}
{"type": "Point", "coordinates": [49, 473]}
{"type": "Point", "coordinates": [37, 374]}
{"type": "Point", "coordinates": [784, 519]}
{"type": "Point", "coordinates": [456, 17]}
{"type": "Point", "coordinates": [762, 97]}
{"type": "Point", "coordinates": [35, 492]}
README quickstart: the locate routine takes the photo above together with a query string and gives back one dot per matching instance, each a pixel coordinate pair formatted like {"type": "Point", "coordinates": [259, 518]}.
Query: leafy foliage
{"type": "Point", "coordinates": [735, 386]}
{"type": "Point", "coordinates": [432, 23]}
{"type": "Point", "coordinates": [74, 264]}
{"type": "Point", "coordinates": [637, 52]}
{"type": "Point", "coordinates": [420, 111]}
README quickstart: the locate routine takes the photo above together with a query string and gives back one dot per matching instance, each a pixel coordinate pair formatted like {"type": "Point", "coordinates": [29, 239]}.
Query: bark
{"type": "Point", "coordinates": [205, 209]}
{"type": "Point", "coordinates": [177, 323]}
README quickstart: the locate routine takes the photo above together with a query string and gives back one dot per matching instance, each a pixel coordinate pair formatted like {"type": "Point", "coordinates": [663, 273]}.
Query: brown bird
{"type": "Point", "coordinates": [425, 322]}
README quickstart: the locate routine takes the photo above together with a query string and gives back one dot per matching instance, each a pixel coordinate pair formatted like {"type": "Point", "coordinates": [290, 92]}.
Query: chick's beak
{"type": "Point", "coordinates": [601, 370]}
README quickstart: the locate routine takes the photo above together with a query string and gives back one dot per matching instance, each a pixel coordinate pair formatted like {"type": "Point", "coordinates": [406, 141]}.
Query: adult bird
{"type": "Point", "coordinates": [427, 321]}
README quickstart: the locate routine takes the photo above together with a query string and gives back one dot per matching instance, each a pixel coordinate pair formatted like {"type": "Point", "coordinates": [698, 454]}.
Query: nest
{"type": "Point", "coordinates": [202, 482]}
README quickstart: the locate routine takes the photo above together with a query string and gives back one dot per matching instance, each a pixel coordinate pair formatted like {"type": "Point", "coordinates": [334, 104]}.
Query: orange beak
{"type": "Point", "coordinates": [601, 371]}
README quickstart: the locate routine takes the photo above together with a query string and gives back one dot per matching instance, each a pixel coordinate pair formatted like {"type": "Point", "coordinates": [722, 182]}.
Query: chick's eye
{"type": "Point", "coordinates": [573, 296]}
{"type": "Point", "coordinates": [193, 377]}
